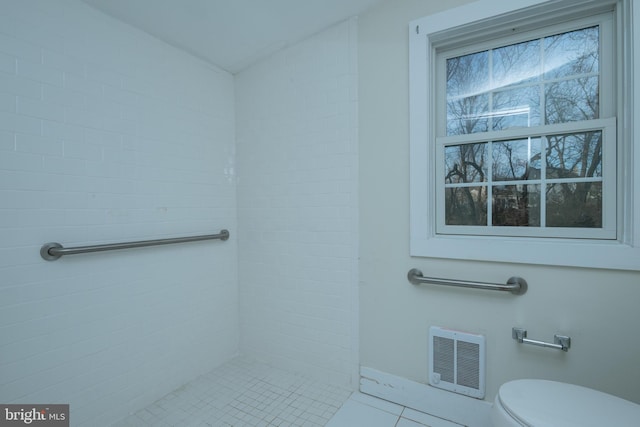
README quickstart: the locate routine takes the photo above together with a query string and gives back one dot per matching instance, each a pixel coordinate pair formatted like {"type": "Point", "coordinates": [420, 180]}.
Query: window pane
{"type": "Point", "coordinates": [516, 108]}
{"type": "Point", "coordinates": [465, 163]}
{"type": "Point", "coordinates": [516, 160]}
{"type": "Point", "coordinates": [571, 54]}
{"type": "Point", "coordinates": [468, 115]}
{"type": "Point", "coordinates": [467, 88]}
{"type": "Point", "coordinates": [466, 206]}
{"type": "Point", "coordinates": [572, 100]}
{"type": "Point", "coordinates": [574, 155]}
{"type": "Point", "coordinates": [574, 205]}
{"type": "Point", "coordinates": [468, 75]}
{"type": "Point", "coordinates": [516, 205]}
{"type": "Point", "coordinates": [516, 64]}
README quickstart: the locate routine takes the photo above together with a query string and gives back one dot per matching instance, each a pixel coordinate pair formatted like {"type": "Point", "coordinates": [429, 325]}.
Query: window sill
{"type": "Point", "coordinates": [558, 252]}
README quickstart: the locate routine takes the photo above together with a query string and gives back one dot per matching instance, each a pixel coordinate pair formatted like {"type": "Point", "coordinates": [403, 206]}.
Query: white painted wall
{"type": "Point", "coordinates": [297, 206]}
{"type": "Point", "coordinates": [109, 135]}
{"type": "Point", "coordinates": [597, 308]}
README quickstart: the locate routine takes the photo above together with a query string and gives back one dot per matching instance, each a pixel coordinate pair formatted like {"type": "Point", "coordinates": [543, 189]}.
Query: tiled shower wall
{"type": "Point", "coordinates": [108, 135]}
{"type": "Point", "coordinates": [296, 116]}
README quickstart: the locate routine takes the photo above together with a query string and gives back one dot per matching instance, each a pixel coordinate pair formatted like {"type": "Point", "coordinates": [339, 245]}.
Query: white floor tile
{"type": "Point", "coordinates": [426, 419]}
{"type": "Point", "coordinates": [408, 423]}
{"type": "Point", "coordinates": [356, 414]}
{"type": "Point", "coordinates": [385, 405]}
{"type": "Point", "coordinates": [244, 392]}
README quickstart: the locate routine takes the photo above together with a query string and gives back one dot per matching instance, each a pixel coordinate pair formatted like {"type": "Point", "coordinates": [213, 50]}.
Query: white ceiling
{"type": "Point", "coordinates": [232, 34]}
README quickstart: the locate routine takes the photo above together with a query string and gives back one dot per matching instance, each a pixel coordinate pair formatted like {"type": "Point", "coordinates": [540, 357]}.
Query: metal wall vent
{"type": "Point", "coordinates": [457, 361]}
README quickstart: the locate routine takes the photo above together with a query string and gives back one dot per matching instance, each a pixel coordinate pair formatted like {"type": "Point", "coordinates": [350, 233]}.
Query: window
{"type": "Point", "coordinates": [521, 148]}
{"type": "Point", "coordinates": [520, 144]}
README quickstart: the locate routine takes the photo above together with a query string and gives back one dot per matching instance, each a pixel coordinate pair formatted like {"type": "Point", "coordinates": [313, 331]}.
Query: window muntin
{"type": "Point", "coordinates": [548, 180]}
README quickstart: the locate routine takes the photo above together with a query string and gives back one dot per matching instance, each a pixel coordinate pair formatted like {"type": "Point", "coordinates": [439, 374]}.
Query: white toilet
{"type": "Point", "coordinates": [541, 403]}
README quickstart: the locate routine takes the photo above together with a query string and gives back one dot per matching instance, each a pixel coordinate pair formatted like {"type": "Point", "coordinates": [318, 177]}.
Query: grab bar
{"type": "Point", "coordinates": [52, 251]}
{"type": "Point", "coordinates": [515, 285]}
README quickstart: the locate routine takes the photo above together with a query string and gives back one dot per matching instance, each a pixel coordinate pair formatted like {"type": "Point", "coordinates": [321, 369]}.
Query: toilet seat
{"type": "Point", "coordinates": [541, 403]}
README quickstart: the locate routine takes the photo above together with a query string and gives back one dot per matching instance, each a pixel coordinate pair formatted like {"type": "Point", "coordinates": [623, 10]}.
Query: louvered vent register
{"type": "Point", "coordinates": [457, 361]}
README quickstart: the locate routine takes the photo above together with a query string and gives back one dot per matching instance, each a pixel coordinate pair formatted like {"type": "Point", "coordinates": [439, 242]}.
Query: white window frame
{"type": "Point", "coordinates": [474, 18]}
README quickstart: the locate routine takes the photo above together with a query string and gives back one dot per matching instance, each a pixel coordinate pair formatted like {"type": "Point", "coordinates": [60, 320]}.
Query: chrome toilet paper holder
{"type": "Point", "coordinates": [560, 342]}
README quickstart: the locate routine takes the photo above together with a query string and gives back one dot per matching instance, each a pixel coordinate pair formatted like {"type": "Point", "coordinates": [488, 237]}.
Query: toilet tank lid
{"type": "Point", "coordinates": [550, 403]}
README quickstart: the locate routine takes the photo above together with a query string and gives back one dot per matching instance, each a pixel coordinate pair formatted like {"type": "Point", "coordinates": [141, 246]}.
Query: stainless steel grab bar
{"type": "Point", "coordinates": [52, 251]}
{"type": "Point", "coordinates": [515, 285]}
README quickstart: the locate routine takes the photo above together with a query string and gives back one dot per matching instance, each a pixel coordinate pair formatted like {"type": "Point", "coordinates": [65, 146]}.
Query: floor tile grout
{"type": "Point", "coordinates": [244, 392]}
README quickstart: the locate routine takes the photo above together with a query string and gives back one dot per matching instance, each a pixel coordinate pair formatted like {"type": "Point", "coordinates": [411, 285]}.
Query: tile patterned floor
{"type": "Point", "coordinates": [362, 410]}
{"type": "Point", "coordinates": [244, 393]}
{"type": "Point", "coordinates": [247, 393]}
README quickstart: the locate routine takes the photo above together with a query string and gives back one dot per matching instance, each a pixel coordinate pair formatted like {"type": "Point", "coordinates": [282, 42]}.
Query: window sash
{"type": "Point", "coordinates": [608, 179]}
{"type": "Point", "coordinates": [607, 71]}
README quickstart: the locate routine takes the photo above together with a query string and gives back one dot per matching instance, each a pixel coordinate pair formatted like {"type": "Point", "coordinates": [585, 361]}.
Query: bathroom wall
{"type": "Point", "coordinates": [109, 135]}
{"type": "Point", "coordinates": [597, 308]}
{"type": "Point", "coordinates": [297, 206]}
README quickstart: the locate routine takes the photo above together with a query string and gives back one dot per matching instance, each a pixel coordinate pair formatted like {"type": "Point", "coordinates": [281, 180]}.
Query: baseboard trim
{"type": "Point", "coordinates": [424, 398]}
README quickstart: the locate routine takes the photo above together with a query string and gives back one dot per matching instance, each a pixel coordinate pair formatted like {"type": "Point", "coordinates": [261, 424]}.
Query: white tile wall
{"type": "Point", "coordinates": [107, 134]}
{"type": "Point", "coordinates": [297, 205]}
